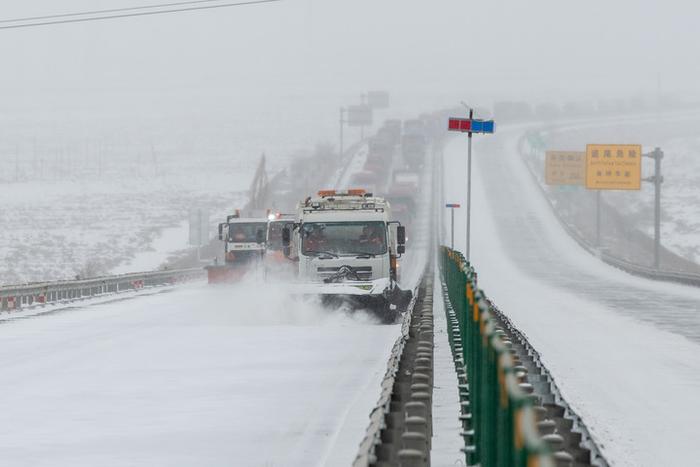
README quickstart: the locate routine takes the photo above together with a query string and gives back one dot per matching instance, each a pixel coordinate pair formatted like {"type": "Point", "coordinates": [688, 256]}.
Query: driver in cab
{"type": "Point", "coordinates": [372, 239]}
{"type": "Point", "coordinates": [316, 240]}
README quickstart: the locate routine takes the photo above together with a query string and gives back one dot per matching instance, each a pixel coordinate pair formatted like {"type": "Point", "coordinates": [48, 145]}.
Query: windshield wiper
{"type": "Point", "coordinates": [319, 253]}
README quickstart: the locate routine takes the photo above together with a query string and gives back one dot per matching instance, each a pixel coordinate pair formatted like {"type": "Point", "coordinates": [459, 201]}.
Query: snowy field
{"type": "Point", "coordinates": [57, 230]}
{"type": "Point", "coordinates": [97, 194]}
{"type": "Point", "coordinates": [623, 350]}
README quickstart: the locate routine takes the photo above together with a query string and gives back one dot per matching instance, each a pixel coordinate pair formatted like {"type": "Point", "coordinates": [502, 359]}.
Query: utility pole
{"type": "Point", "coordinates": [341, 149]}
{"type": "Point", "coordinates": [363, 101]}
{"type": "Point", "coordinates": [657, 179]}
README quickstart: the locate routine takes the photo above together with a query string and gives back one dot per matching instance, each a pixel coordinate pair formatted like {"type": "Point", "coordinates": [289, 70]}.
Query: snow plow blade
{"type": "Point", "coordinates": [378, 296]}
{"type": "Point", "coordinates": [224, 274]}
{"type": "Point", "coordinates": [368, 288]}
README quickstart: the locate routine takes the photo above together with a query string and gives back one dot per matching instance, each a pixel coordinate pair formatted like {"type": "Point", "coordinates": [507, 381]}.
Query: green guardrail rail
{"type": "Point", "coordinates": [498, 417]}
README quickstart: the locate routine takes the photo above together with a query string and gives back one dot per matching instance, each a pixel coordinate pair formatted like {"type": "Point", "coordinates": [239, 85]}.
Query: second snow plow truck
{"type": "Point", "coordinates": [244, 245]}
{"type": "Point", "coordinates": [347, 248]}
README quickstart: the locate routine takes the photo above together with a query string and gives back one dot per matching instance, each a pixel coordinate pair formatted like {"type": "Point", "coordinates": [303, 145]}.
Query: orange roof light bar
{"type": "Point", "coordinates": [357, 192]}
{"type": "Point", "coordinates": [323, 193]}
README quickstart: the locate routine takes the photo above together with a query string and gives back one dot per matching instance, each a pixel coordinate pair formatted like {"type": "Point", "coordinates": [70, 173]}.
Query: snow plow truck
{"type": "Point", "coordinates": [244, 245]}
{"type": "Point", "coordinates": [347, 247]}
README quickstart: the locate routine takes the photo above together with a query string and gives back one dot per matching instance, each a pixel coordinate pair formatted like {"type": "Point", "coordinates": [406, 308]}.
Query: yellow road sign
{"type": "Point", "coordinates": [565, 167]}
{"type": "Point", "coordinates": [613, 166]}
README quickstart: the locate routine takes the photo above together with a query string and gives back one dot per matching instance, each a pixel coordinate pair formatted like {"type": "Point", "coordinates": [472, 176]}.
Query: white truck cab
{"type": "Point", "coordinates": [244, 238]}
{"type": "Point", "coordinates": [347, 244]}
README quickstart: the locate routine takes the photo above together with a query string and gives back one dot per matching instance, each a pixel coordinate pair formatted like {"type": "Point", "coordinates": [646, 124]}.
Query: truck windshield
{"type": "Point", "coordinates": [344, 238]}
{"type": "Point", "coordinates": [274, 234]}
{"type": "Point", "coordinates": [246, 232]}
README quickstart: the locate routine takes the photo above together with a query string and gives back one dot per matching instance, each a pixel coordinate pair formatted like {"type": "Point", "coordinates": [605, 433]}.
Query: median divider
{"type": "Point", "coordinates": [499, 415]}
{"type": "Point", "coordinates": [401, 425]}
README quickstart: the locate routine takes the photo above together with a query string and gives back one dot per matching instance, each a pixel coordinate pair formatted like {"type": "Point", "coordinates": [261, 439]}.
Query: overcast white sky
{"type": "Point", "coordinates": [303, 58]}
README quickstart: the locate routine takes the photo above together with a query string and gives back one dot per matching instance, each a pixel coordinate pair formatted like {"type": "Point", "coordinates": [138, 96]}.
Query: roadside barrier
{"type": "Point", "coordinates": [401, 423]}
{"type": "Point", "coordinates": [16, 297]}
{"type": "Point", "coordinates": [498, 415]}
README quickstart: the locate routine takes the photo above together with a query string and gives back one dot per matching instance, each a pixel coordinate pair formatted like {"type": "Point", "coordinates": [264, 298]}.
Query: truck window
{"type": "Point", "coordinates": [344, 238]}
{"type": "Point", "coordinates": [245, 232]}
{"type": "Point", "coordinates": [274, 234]}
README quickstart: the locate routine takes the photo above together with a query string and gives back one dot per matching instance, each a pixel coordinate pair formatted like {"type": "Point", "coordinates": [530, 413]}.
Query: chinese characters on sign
{"type": "Point", "coordinates": [565, 167]}
{"type": "Point", "coordinates": [613, 166]}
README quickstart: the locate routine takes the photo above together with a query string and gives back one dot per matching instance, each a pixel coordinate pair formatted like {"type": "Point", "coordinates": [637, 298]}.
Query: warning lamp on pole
{"type": "Point", "coordinates": [470, 125]}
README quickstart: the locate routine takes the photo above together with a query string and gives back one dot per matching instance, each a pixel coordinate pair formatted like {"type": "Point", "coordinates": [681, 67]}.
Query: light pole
{"type": "Point", "coordinates": [363, 102]}
{"type": "Point", "coordinates": [342, 122]}
{"type": "Point", "coordinates": [470, 125]}
{"type": "Point", "coordinates": [469, 182]}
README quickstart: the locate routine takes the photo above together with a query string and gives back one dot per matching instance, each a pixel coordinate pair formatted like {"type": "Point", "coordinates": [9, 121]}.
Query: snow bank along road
{"type": "Point", "coordinates": [624, 350]}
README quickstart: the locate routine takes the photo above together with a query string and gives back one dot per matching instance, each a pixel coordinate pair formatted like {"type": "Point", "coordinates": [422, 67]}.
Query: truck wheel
{"type": "Point", "coordinates": [388, 312]}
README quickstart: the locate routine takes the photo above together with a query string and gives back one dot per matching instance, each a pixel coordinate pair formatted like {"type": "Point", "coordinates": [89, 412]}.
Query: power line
{"type": "Point", "coordinates": [131, 15]}
{"type": "Point", "coordinates": [97, 12]}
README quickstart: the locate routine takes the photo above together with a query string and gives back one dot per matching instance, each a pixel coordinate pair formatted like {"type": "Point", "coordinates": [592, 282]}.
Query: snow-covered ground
{"type": "Point", "coordinates": [625, 351]}
{"type": "Point", "coordinates": [681, 196]}
{"type": "Point", "coordinates": [58, 229]}
{"type": "Point", "coordinates": [193, 376]}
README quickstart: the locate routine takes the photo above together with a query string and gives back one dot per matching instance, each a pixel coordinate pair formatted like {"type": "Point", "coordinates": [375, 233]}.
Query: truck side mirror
{"type": "Point", "coordinates": [259, 236]}
{"type": "Point", "coordinates": [401, 235]}
{"type": "Point", "coordinates": [286, 237]}
{"type": "Point", "coordinates": [221, 231]}
{"type": "Point", "coordinates": [401, 249]}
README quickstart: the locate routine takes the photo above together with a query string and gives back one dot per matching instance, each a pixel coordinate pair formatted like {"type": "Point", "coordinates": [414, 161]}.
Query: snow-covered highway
{"type": "Point", "coordinates": [192, 376]}
{"type": "Point", "coordinates": [625, 351]}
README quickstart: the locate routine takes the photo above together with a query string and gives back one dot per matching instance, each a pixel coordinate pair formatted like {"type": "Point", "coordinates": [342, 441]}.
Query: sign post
{"type": "Point", "coordinates": [657, 179]}
{"type": "Point", "coordinates": [452, 207]}
{"type": "Point", "coordinates": [199, 229]}
{"type": "Point", "coordinates": [612, 167]}
{"type": "Point", "coordinates": [360, 115]}
{"type": "Point", "coordinates": [470, 125]}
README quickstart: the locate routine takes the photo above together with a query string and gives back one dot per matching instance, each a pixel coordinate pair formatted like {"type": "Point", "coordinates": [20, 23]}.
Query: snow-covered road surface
{"type": "Point", "coordinates": [625, 351]}
{"type": "Point", "coordinates": [198, 375]}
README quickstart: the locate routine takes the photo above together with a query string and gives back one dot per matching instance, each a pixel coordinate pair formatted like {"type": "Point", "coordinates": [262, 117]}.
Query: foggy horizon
{"type": "Point", "coordinates": [303, 59]}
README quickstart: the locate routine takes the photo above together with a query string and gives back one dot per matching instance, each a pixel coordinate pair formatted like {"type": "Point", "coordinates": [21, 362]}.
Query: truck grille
{"type": "Point", "coordinates": [363, 272]}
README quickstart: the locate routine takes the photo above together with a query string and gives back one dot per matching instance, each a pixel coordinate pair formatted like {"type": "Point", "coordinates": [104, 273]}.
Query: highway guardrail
{"type": "Point", "coordinates": [498, 416]}
{"type": "Point", "coordinates": [16, 297]}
